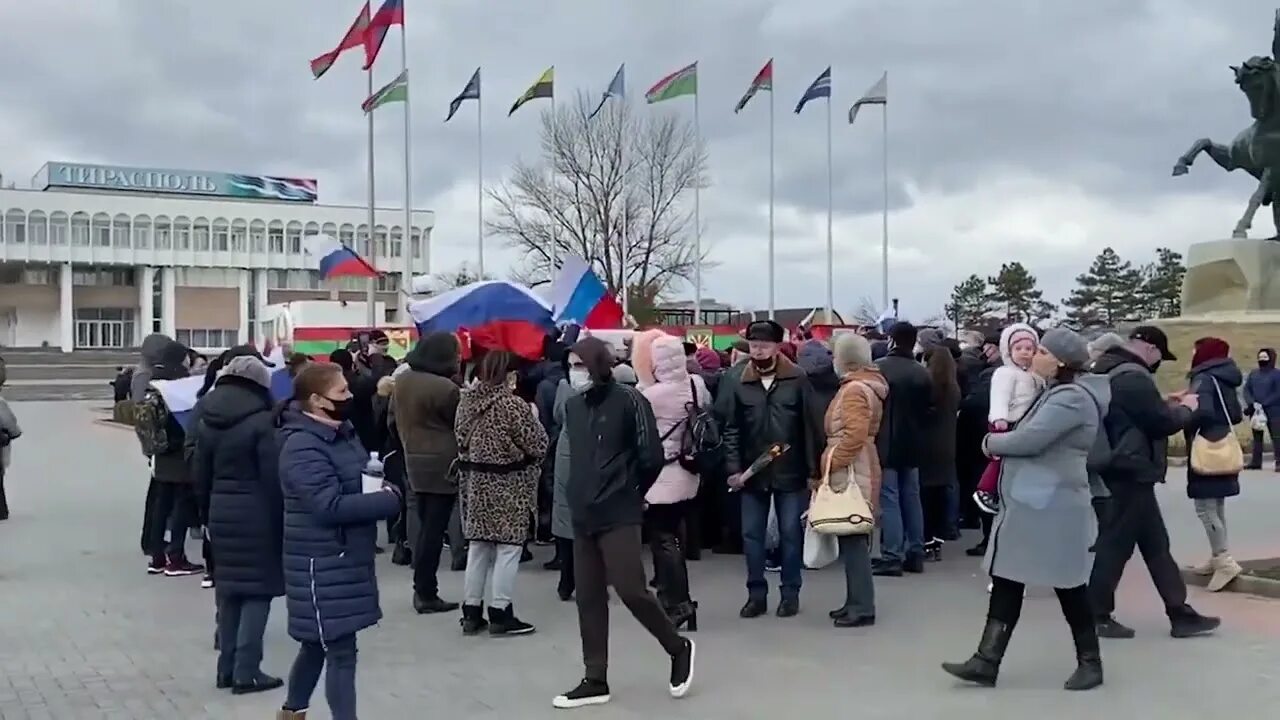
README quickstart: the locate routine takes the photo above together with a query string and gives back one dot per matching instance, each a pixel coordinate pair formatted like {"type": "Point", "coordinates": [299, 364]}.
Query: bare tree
{"type": "Point", "coordinates": [456, 277]}
{"type": "Point", "coordinates": [598, 178]}
{"type": "Point", "coordinates": [866, 312]}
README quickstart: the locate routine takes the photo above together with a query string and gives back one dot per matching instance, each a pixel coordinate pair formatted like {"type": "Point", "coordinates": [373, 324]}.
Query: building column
{"type": "Point", "coordinates": [146, 301]}
{"type": "Point", "coordinates": [168, 302]}
{"type": "Point", "coordinates": [66, 309]}
{"type": "Point", "coordinates": [260, 296]}
{"type": "Point", "coordinates": [246, 332]}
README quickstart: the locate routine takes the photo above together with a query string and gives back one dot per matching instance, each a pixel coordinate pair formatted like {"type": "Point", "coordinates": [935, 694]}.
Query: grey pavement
{"type": "Point", "coordinates": [85, 633]}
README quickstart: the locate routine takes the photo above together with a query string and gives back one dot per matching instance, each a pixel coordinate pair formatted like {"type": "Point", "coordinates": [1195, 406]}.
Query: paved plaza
{"type": "Point", "coordinates": [85, 633]}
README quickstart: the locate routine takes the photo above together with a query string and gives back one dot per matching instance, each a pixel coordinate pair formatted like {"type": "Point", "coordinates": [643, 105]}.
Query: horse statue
{"type": "Point", "coordinates": [1256, 150]}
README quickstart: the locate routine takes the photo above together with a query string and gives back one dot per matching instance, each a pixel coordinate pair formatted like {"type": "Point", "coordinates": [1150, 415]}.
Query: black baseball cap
{"type": "Point", "coordinates": [245, 351]}
{"type": "Point", "coordinates": [1155, 337]}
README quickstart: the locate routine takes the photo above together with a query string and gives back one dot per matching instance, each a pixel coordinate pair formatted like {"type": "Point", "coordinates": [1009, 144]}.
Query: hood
{"type": "Point", "coordinates": [872, 377]}
{"type": "Point", "coordinates": [1006, 336]}
{"type": "Point", "coordinates": [1224, 370]}
{"type": "Point", "coordinates": [169, 361]}
{"type": "Point", "coordinates": [232, 400]}
{"type": "Point", "coordinates": [476, 400]}
{"type": "Point", "coordinates": [1113, 357]}
{"type": "Point", "coordinates": [669, 362]}
{"type": "Point", "coordinates": [152, 346]}
{"type": "Point", "coordinates": [642, 355]}
{"type": "Point", "coordinates": [248, 368]}
{"type": "Point", "coordinates": [435, 353]}
{"type": "Point", "coordinates": [814, 358]}
{"type": "Point", "coordinates": [1099, 386]}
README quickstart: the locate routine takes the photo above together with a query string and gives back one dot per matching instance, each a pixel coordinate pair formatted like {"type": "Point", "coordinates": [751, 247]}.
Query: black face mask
{"type": "Point", "coordinates": [1155, 366]}
{"type": "Point", "coordinates": [765, 366]}
{"type": "Point", "coordinates": [341, 409]}
{"type": "Point", "coordinates": [1266, 363]}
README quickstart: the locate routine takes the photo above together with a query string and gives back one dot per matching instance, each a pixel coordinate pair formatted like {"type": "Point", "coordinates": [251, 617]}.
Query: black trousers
{"type": "Point", "coordinates": [663, 524]}
{"type": "Point", "coordinates": [4, 499]}
{"type": "Point", "coordinates": [1006, 604]}
{"type": "Point", "coordinates": [172, 509]}
{"type": "Point", "coordinates": [1273, 429]}
{"type": "Point", "coordinates": [1133, 519]}
{"type": "Point", "coordinates": [434, 510]}
{"type": "Point", "coordinates": [934, 502]}
{"type": "Point", "coordinates": [564, 549]}
{"type": "Point", "coordinates": [397, 527]}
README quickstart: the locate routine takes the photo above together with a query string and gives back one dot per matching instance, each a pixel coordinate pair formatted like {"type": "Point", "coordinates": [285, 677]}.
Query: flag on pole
{"type": "Point", "coordinates": [763, 81]}
{"type": "Point", "coordinates": [681, 82]}
{"type": "Point", "coordinates": [391, 13]}
{"type": "Point", "coordinates": [543, 87]}
{"type": "Point", "coordinates": [877, 95]}
{"type": "Point", "coordinates": [395, 91]}
{"type": "Point", "coordinates": [617, 89]}
{"type": "Point", "coordinates": [354, 38]}
{"type": "Point", "coordinates": [821, 88]}
{"type": "Point", "coordinates": [335, 259]}
{"type": "Point", "coordinates": [470, 92]}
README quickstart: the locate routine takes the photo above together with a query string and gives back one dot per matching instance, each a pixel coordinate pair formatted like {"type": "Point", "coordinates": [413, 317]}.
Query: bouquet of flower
{"type": "Point", "coordinates": [773, 452]}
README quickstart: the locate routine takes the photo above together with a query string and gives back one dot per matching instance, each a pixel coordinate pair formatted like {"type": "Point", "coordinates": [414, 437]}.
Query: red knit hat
{"type": "Point", "coordinates": [1209, 348]}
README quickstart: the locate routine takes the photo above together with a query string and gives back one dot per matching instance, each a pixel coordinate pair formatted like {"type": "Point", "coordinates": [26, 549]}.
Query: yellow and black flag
{"type": "Point", "coordinates": [543, 88]}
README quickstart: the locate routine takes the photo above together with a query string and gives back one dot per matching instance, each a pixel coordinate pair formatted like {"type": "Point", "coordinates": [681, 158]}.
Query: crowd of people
{"type": "Point", "coordinates": [1051, 445]}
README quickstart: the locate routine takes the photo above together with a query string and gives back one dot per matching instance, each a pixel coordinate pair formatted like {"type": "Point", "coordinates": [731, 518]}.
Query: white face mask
{"type": "Point", "coordinates": [579, 378]}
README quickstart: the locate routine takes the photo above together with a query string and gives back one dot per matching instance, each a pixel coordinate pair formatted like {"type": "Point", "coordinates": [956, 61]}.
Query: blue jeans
{"type": "Point", "coordinates": [788, 506]}
{"type": "Point", "coordinates": [901, 515]}
{"type": "Point", "coordinates": [339, 677]}
{"type": "Point", "coordinates": [242, 621]}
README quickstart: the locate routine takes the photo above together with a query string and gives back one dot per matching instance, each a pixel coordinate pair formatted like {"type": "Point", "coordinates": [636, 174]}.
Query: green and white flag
{"type": "Point", "coordinates": [395, 91]}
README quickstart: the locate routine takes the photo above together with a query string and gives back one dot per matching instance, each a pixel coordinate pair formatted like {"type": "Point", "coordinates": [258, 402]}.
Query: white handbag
{"type": "Point", "coordinates": [840, 513]}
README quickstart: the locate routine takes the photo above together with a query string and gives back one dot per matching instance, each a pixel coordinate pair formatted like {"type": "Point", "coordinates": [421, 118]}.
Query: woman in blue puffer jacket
{"type": "Point", "coordinates": [330, 535]}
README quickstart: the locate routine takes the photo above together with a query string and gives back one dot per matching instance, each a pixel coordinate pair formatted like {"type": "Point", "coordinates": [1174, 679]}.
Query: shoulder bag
{"type": "Point", "coordinates": [1214, 458]}
{"type": "Point", "coordinates": [840, 513]}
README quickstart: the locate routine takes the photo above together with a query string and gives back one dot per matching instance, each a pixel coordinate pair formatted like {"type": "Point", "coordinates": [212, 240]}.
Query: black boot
{"type": "Point", "coordinates": [1088, 674]}
{"type": "Point", "coordinates": [505, 622]}
{"type": "Point", "coordinates": [984, 666]}
{"type": "Point", "coordinates": [473, 622]}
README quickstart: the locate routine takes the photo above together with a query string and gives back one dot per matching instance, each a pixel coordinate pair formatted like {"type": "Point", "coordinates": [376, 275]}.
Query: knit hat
{"type": "Point", "coordinates": [249, 368]}
{"type": "Point", "coordinates": [813, 357]}
{"type": "Point", "coordinates": [1209, 348]}
{"type": "Point", "coordinates": [1066, 345]}
{"type": "Point", "coordinates": [851, 351]}
{"type": "Point", "coordinates": [928, 339]}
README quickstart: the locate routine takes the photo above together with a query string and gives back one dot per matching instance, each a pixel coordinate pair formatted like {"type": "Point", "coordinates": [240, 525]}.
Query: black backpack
{"type": "Point", "coordinates": [700, 442]}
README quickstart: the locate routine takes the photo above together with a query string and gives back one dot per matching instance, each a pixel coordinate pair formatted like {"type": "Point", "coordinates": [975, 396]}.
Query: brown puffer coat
{"type": "Point", "coordinates": [851, 424]}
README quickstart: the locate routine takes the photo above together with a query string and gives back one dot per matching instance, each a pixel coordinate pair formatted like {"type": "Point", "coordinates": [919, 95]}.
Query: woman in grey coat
{"type": "Point", "coordinates": [1042, 535]}
{"type": "Point", "coordinates": [561, 520]}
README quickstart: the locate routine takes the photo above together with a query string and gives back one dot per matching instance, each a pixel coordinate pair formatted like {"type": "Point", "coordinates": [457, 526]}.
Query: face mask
{"type": "Point", "coordinates": [1155, 366]}
{"type": "Point", "coordinates": [579, 378]}
{"type": "Point", "coordinates": [765, 365]}
{"type": "Point", "coordinates": [341, 409]}
{"type": "Point", "coordinates": [1265, 362]}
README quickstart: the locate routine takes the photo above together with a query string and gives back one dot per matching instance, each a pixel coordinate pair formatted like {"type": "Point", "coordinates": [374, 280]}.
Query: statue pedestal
{"type": "Point", "coordinates": [1232, 276]}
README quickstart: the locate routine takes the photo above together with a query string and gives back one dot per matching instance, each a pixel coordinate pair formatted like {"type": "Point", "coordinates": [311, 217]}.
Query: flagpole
{"type": "Point", "coordinates": [555, 147]}
{"type": "Point", "coordinates": [772, 260]}
{"type": "Point", "coordinates": [480, 183]}
{"type": "Point", "coordinates": [884, 232]}
{"type": "Point", "coordinates": [370, 296]}
{"type": "Point", "coordinates": [622, 159]}
{"type": "Point", "coordinates": [406, 238]}
{"type": "Point", "coordinates": [697, 216]}
{"type": "Point", "coordinates": [830, 211]}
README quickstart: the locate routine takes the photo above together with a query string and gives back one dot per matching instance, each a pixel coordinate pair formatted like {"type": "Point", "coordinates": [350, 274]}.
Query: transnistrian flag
{"type": "Point", "coordinates": [470, 92]}
{"type": "Point", "coordinates": [877, 95]}
{"type": "Point", "coordinates": [354, 38]}
{"type": "Point", "coordinates": [395, 91]}
{"type": "Point", "coordinates": [391, 13]}
{"type": "Point", "coordinates": [681, 82]}
{"type": "Point", "coordinates": [821, 88]}
{"type": "Point", "coordinates": [543, 87]}
{"type": "Point", "coordinates": [763, 81]}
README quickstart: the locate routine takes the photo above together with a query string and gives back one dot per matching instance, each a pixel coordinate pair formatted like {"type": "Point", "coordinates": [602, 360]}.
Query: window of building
{"type": "Point", "coordinates": [221, 236]}
{"type": "Point", "coordinates": [258, 237]}
{"type": "Point", "coordinates": [101, 230]}
{"type": "Point", "coordinates": [182, 233]}
{"type": "Point", "coordinates": [416, 243]}
{"type": "Point", "coordinates": [346, 235]}
{"type": "Point", "coordinates": [238, 235]}
{"type": "Point", "coordinates": [396, 242]}
{"type": "Point", "coordinates": [58, 228]}
{"type": "Point", "coordinates": [293, 235]}
{"type": "Point", "coordinates": [120, 231]}
{"type": "Point", "coordinates": [380, 241]}
{"type": "Point", "coordinates": [275, 240]}
{"type": "Point", "coordinates": [389, 282]}
{"type": "Point", "coordinates": [19, 275]}
{"type": "Point", "coordinates": [116, 277]}
{"type": "Point", "coordinates": [200, 235]}
{"type": "Point", "coordinates": [162, 233]}
{"type": "Point", "coordinates": [157, 301]}
{"type": "Point", "coordinates": [15, 227]}
{"type": "Point", "coordinates": [362, 241]}
{"type": "Point", "coordinates": [207, 338]}
{"type": "Point", "coordinates": [80, 230]}
{"type": "Point", "coordinates": [142, 232]}
{"type": "Point", "coordinates": [38, 228]}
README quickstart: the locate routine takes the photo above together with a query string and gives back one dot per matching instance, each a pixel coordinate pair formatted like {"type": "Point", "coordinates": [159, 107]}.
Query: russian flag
{"type": "Point", "coordinates": [336, 259]}
{"type": "Point", "coordinates": [180, 395]}
{"type": "Point", "coordinates": [579, 297]}
{"type": "Point", "coordinates": [494, 314]}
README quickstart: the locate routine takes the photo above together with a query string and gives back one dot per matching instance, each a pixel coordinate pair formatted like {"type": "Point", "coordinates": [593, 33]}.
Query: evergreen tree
{"type": "Point", "coordinates": [1108, 294]}
{"type": "Point", "coordinates": [1162, 285]}
{"type": "Point", "coordinates": [970, 302]}
{"type": "Point", "coordinates": [1015, 296]}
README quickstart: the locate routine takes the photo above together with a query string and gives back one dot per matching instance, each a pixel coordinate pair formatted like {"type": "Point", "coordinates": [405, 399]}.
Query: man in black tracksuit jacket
{"type": "Point", "coordinates": [1138, 425]}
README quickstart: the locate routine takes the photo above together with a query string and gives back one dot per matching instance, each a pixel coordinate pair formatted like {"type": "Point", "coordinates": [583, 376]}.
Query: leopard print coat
{"type": "Point", "coordinates": [494, 427]}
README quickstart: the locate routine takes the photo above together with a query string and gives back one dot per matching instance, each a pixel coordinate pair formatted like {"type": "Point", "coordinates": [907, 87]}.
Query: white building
{"type": "Point", "coordinates": [99, 257]}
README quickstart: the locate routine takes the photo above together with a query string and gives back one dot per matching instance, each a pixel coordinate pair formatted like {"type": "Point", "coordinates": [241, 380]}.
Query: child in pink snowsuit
{"type": "Point", "coordinates": [1014, 388]}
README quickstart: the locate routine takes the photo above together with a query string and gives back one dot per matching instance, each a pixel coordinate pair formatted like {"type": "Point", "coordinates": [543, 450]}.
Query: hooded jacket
{"type": "Point", "coordinates": [425, 403]}
{"type": "Point", "coordinates": [1216, 384]}
{"type": "Point", "coordinates": [152, 346]}
{"type": "Point", "coordinates": [236, 468]}
{"type": "Point", "coordinates": [1139, 420]}
{"type": "Point", "coordinates": [670, 396]}
{"type": "Point", "coordinates": [615, 453]}
{"type": "Point", "coordinates": [814, 359]}
{"type": "Point", "coordinates": [1013, 389]}
{"type": "Point", "coordinates": [1263, 388]}
{"type": "Point", "coordinates": [171, 467]}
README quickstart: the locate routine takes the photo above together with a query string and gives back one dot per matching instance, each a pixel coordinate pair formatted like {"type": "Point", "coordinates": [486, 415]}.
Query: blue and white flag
{"type": "Point", "coordinates": [617, 89]}
{"type": "Point", "coordinates": [180, 395]}
{"type": "Point", "coordinates": [821, 88]}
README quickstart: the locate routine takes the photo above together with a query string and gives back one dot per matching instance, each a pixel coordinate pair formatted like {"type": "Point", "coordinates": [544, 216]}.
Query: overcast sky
{"type": "Point", "coordinates": [1019, 130]}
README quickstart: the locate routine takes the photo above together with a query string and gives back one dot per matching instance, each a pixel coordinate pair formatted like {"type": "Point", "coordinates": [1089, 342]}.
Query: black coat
{"type": "Point", "coordinates": [938, 455]}
{"type": "Point", "coordinates": [236, 464]}
{"type": "Point", "coordinates": [1214, 421]}
{"type": "Point", "coordinates": [900, 441]}
{"type": "Point", "coordinates": [1139, 420]}
{"type": "Point", "coordinates": [755, 418]}
{"type": "Point", "coordinates": [615, 456]}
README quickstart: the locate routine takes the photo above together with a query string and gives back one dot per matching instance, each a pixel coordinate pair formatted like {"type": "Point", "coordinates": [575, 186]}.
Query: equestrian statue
{"type": "Point", "coordinates": [1256, 150]}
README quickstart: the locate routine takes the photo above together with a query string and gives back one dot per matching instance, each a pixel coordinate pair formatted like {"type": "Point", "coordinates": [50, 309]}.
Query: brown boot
{"type": "Point", "coordinates": [291, 714]}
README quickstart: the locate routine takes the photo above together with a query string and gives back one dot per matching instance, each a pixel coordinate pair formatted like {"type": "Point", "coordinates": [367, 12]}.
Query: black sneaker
{"type": "Point", "coordinates": [1188, 623]}
{"type": "Point", "coordinates": [206, 582]}
{"type": "Point", "coordinates": [977, 550]}
{"type": "Point", "coordinates": [155, 566]}
{"type": "Point", "coordinates": [262, 683]}
{"type": "Point", "coordinates": [1109, 627]}
{"type": "Point", "coordinates": [503, 622]}
{"type": "Point", "coordinates": [682, 669]}
{"type": "Point", "coordinates": [753, 609]}
{"type": "Point", "coordinates": [588, 692]}
{"type": "Point", "coordinates": [179, 567]}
